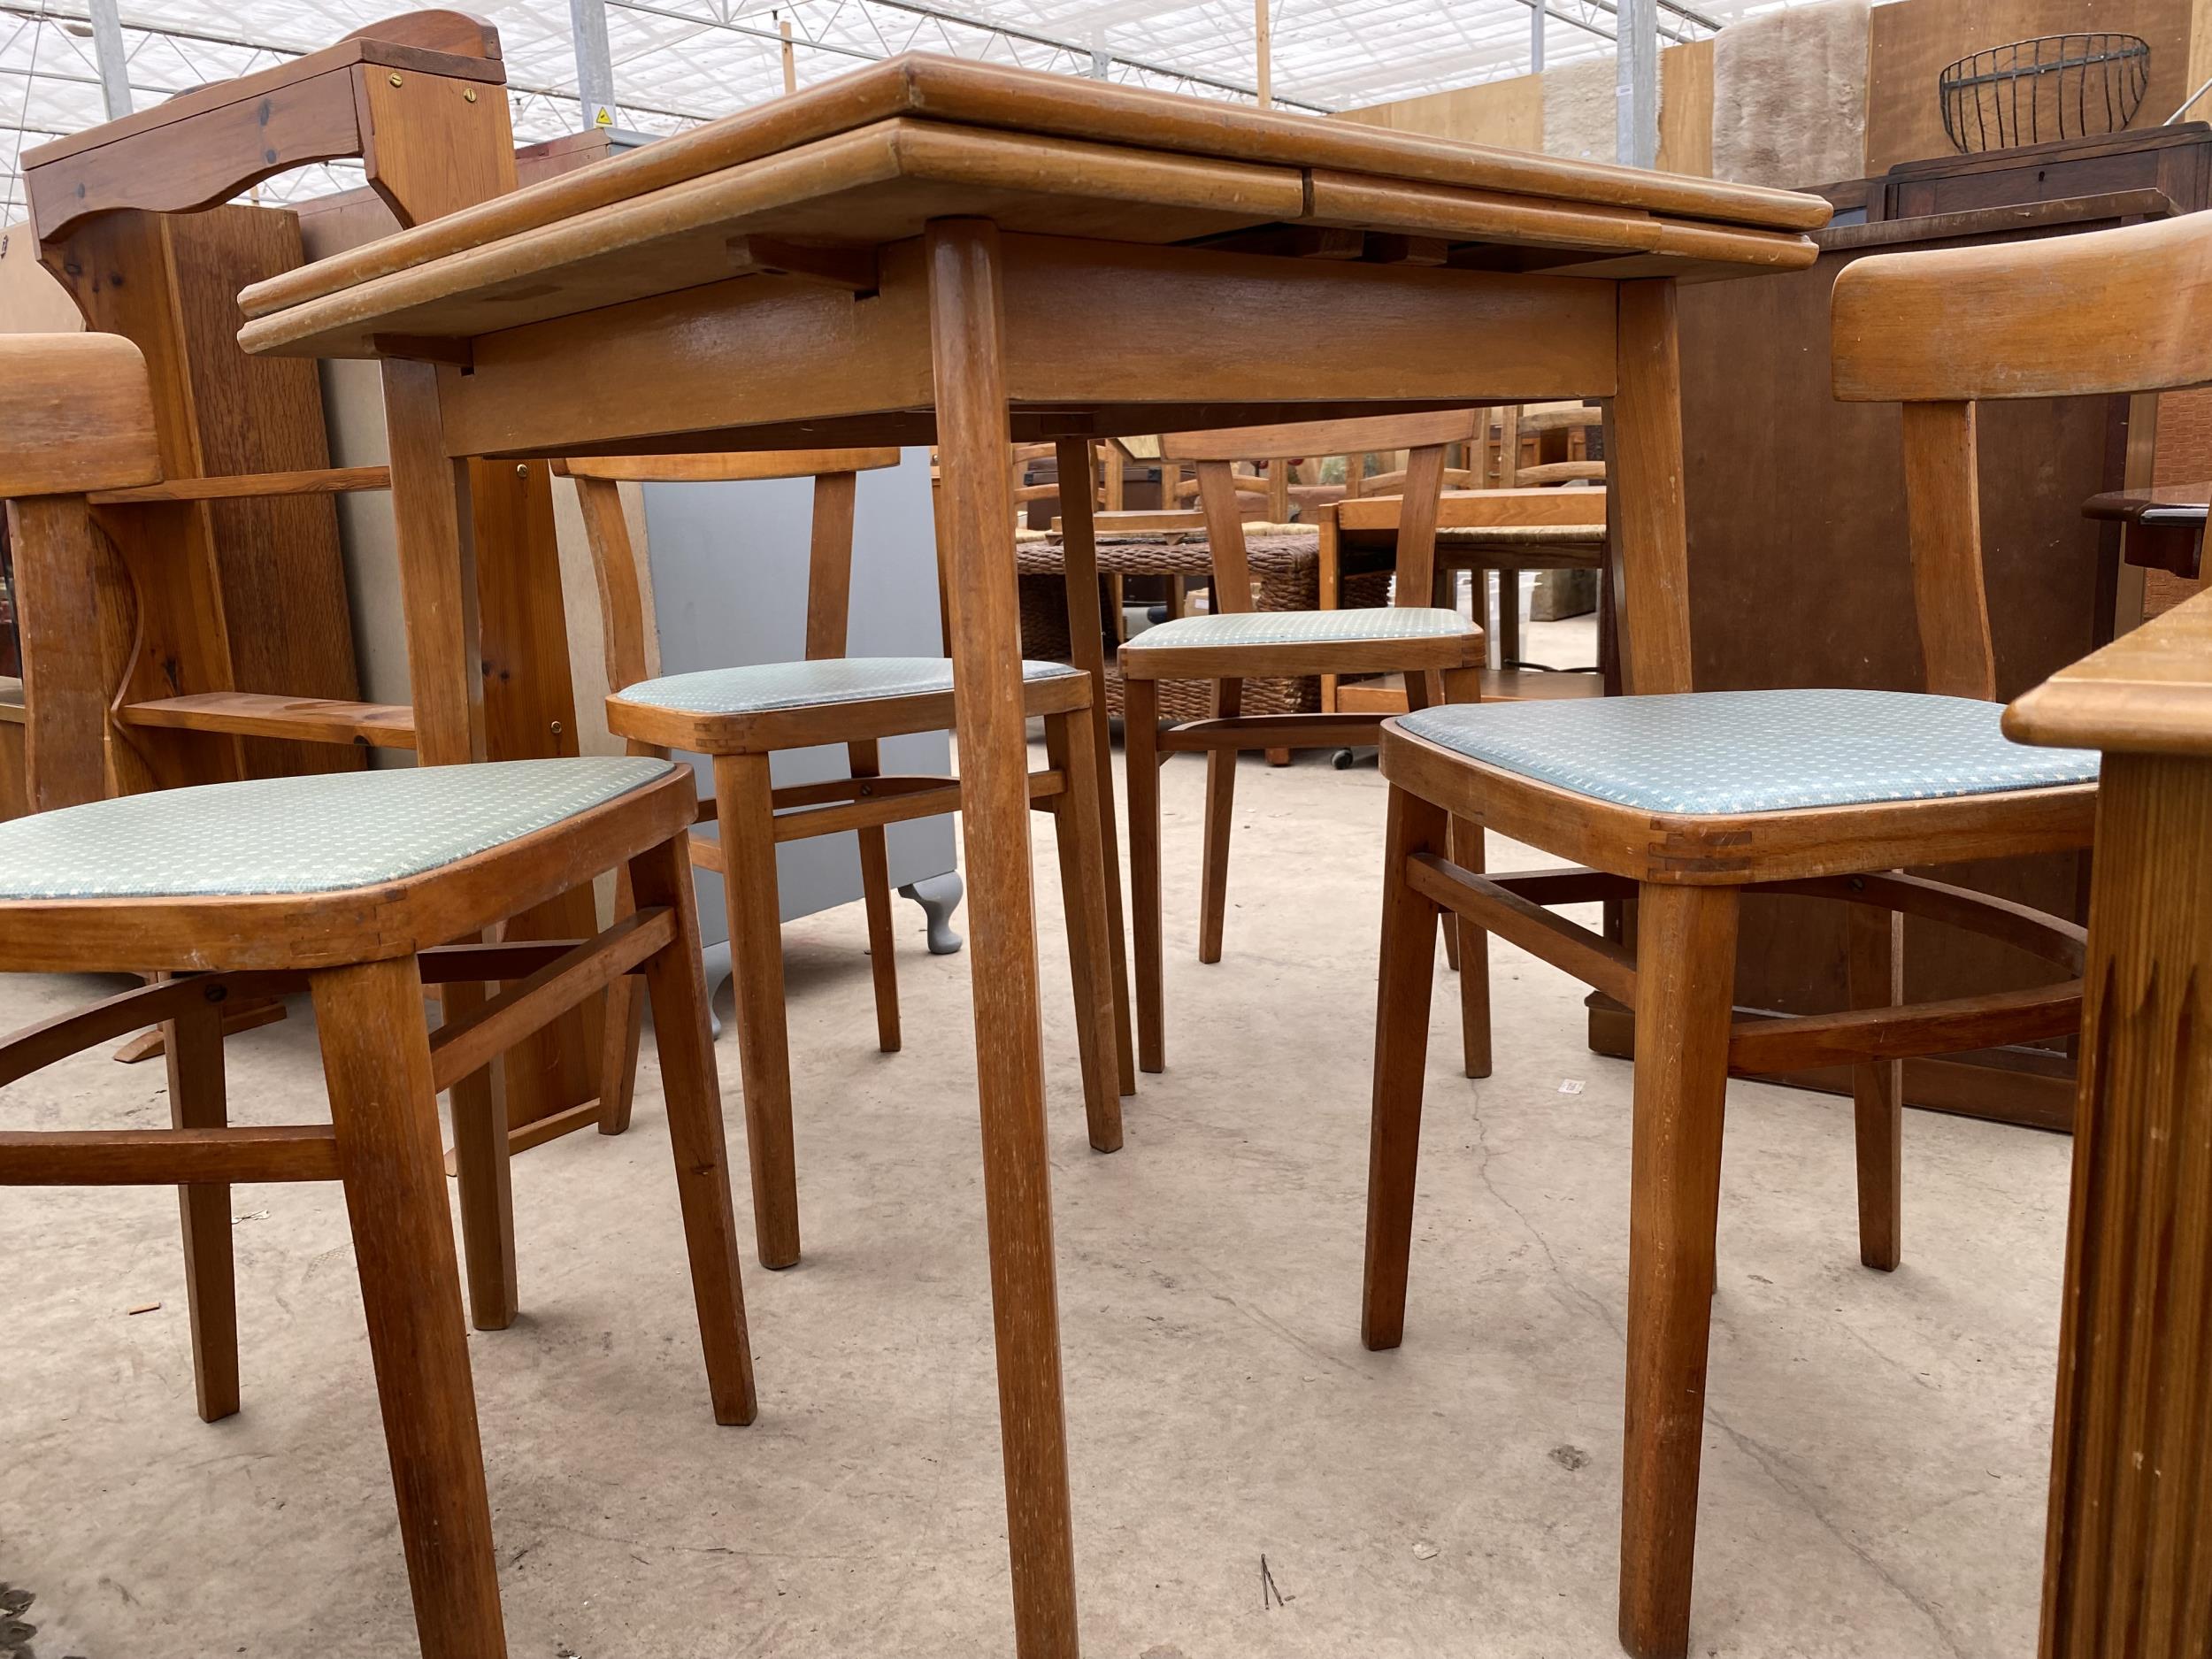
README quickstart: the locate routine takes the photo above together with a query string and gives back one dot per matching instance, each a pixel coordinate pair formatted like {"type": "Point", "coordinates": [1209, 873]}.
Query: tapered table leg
{"type": "Point", "coordinates": [976, 505]}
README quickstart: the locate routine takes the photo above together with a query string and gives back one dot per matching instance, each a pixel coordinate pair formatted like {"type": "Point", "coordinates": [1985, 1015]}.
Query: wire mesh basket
{"type": "Point", "coordinates": [2055, 86]}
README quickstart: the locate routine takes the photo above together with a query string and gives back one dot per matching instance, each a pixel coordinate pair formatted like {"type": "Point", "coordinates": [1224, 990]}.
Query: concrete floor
{"type": "Point", "coordinates": [1875, 1460]}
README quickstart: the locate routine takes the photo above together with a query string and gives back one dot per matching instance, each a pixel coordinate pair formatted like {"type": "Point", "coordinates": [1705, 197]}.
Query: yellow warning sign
{"type": "Point", "coordinates": [604, 117]}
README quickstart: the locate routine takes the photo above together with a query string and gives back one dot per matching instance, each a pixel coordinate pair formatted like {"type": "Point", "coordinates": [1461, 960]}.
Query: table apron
{"type": "Point", "coordinates": [767, 362]}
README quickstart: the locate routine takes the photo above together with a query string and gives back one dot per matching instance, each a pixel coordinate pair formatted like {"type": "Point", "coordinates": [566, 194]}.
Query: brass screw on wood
{"type": "Point", "coordinates": [395, 80]}
{"type": "Point", "coordinates": [469, 93]}
{"type": "Point", "coordinates": [522, 469]}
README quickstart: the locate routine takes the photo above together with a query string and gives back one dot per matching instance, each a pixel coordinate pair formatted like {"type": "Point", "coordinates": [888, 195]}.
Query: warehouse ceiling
{"type": "Point", "coordinates": [680, 62]}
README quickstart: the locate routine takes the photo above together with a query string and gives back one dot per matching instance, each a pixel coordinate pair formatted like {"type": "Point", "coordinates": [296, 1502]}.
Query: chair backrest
{"type": "Point", "coordinates": [626, 630]}
{"type": "Point", "coordinates": [2107, 311]}
{"type": "Point", "coordinates": [1105, 480]}
{"type": "Point", "coordinates": [1514, 425]}
{"type": "Point", "coordinates": [1424, 437]}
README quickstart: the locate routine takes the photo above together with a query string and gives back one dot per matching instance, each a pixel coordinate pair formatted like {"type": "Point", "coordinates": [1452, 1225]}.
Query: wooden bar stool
{"type": "Point", "coordinates": [741, 716]}
{"type": "Point", "coordinates": [1439, 651]}
{"type": "Point", "coordinates": [342, 886]}
{"type": "Point", "coordinates": [1684, 800]}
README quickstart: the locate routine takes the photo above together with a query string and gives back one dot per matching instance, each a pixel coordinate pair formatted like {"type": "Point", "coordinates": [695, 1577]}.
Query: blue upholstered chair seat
{"type": "Point", "coordinates": [1304, 627]}
{"type": "Point", "coordinates": [766, 687]}
{"type": "Point", "coordinates": [1754, 751]}
{"type": "Point", "coordinates": [312, 834]}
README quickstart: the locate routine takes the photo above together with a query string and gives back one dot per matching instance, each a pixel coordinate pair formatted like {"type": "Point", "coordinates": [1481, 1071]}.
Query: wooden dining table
{"type": "Point", "coordinates": [931, 251]}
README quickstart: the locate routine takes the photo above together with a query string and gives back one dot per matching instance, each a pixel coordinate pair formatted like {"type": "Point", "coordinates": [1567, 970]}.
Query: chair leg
{"type": "Point", "coordinates": [193, 1050]}
{"type": "Point", "coordinates": [1877, 971]}
{"type": "Point", "coordinates": [1401, 1048]}
{"type": "Point", "coordinates": [1140, 736]}
{"type": "Point", "coordinates": [1221, 793]}
{"type": "Point", "coordinates": [1685, 982]}
{"type": "Point", "coordinates": [677, 983]}
{"type": "Point", "coordinates": [1422, 691]}
{"type": "Point", "coordinates": [1465, 685]}
{"type": "Point", "coordinates": [624, 1010]}
{"type": "Point", "coordinates": [618, 1052]}
{"type": "Point", "coordinates": [376, 1063]}
{"type": "Point", "coordinates": [1508, 618]}
{"type": "Point", "coordinates": [746, 808]}
{"type": "Point", "coordinates": [482, 1164]}
{"type": "Point", "coordinates": [1071, 751]}
{"type": "Point", "coordinates": [875, 887]}
{"type": "Point", "coordinates": [620, 1039]}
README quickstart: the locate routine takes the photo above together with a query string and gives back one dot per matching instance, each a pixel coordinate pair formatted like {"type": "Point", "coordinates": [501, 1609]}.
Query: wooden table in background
{"type": "Point", "coordinates": [924, 252]}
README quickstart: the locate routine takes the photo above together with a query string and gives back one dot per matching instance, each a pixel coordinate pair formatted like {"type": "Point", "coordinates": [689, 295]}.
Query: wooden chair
{"type": "Point", "coordinates": [348, 886]}
{"type": "Point", "coordinates": [1520, 433]}
{"type": "Point", "coordinates": [1685, 802]}
{"type": "Point", "coordinates": [1439, 651]}
{"type": "Point", "coordinates": [78, 428]}
{"type": "Point", "coordinates": [1025, 492]}
{"type": "Point", "coordinates": [342, 886]}
{"type": "Point", "coordinates": [232, 657]}
{"type": "Point", "coordinates": [741, 717]}
{"type": "Point", "coordinates": [1504, 514]}
{"type": "Point", "coordinates": [1476, 529]}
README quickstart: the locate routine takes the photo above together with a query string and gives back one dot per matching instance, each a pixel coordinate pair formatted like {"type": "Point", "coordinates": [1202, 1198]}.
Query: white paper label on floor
{"type": "Point", "coordinates": [1571, 1085]}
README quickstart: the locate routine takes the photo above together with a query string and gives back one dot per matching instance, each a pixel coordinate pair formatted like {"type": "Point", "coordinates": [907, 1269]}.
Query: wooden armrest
{"type": "Point", "coordinates": [2165, 526]}
{"type": "Point", "coordinates": [2168, 503]}
{"type": "Point", "coordinates": [1140, 520]}
{"type": "Point", "coordinates": [327, 480]}
{"type": "Point", "coordinates": [737, 467]}
{"type": "Point", "coordinates": [2148, 692]}
{"type": "Point", "coordinates": [1466, 509]}
{"type": "Point", "coordinates": [75, 415]}
{"type": "Point", "coordinates": [1555, 417]}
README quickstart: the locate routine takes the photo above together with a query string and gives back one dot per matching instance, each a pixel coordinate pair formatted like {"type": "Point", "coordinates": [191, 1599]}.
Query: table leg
{"type": "Point", "coordinates": [1086, 638]}
{"type": "Point", "coordinates": [2125, 1562]}
{"type": "Point", "coordinates": [975, 504]}
{"type": "Point", "coordinates": [1644, 512]}
{"type": "Point", "coordinates": [447, 515]}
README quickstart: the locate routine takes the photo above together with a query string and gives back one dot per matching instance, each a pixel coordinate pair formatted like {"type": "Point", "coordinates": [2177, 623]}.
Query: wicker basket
{"type": "Point", "coordinates": [1285, 576]}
